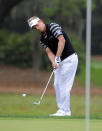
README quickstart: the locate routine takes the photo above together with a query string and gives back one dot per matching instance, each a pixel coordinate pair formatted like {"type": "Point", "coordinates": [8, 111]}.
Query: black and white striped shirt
{"type": "Point", "coordinates": [55, 29]}
{"type": "Point", "coordinates": [49, 39]}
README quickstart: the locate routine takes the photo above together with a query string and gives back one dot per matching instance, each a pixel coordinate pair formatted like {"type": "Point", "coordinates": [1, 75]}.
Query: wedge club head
{"type": "Point", "coordinates": [36, 103]}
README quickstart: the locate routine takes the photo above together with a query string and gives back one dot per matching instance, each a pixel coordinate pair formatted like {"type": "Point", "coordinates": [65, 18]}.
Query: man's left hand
{"type": "Point", "coordinates": [57, 60]}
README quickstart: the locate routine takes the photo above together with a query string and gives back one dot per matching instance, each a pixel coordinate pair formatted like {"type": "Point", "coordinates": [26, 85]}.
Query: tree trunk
{"type": "Point", "coordinates": [36, 59]}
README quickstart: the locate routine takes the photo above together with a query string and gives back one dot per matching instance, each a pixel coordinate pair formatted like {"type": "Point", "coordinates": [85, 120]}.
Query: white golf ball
{"type": "Point", "coordinates": [23, 94]}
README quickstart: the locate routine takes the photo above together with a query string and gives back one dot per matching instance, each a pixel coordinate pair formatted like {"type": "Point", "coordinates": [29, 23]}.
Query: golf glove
{"type": "Point", "coordinates": [57, 60]}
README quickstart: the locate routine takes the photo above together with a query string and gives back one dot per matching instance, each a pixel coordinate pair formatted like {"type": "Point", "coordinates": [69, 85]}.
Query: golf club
{"type": "Point", "coordinates": [38, 103]}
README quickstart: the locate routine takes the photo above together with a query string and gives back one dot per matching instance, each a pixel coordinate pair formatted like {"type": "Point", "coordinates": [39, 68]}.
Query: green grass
{"type": "Point", "coordinates": [48, 125]}
{"type": "Point", "coordinates": [96, 74]}
{"type": "Point", "coordinates": [17, 113]}
{"type": "Point", "coordinates": [14, 105]}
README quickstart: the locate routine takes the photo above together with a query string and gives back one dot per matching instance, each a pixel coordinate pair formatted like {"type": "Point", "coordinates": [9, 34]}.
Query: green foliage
{"type": "Point", "coordinates": [15, 49]}
{"type": "Point", "coordinates": [47, 9]}
{"type": "Point", "coordinates": [66, 8]}
{"type": "Point", "coordinates": [79, 48]}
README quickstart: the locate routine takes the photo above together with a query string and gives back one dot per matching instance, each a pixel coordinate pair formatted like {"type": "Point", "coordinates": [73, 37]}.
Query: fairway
{"type": "Point", "coordinates": [48, 125]}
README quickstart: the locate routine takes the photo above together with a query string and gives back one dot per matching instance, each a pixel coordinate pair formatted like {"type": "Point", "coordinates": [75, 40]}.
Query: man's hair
{"type": "Point", "coordinates": [32, 18]}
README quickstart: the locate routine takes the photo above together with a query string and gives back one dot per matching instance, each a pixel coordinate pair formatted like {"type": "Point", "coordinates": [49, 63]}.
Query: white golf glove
{"type": "Point", "coordinates": [57, 60]}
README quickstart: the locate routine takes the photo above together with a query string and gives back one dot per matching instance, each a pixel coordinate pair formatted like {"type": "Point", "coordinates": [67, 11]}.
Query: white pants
{"type": "Point", "coordinates": [63, 81]}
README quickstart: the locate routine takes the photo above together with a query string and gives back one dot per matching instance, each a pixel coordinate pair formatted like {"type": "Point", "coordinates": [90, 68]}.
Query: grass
{"type": "Point", "coordinates": [48, 125]}
{"type": "Point", "coordinates": [14, 105]}
{"type": "Point", "coordinates": [17, 113]}
{"type": "Point", "coordinates": [96, 74]}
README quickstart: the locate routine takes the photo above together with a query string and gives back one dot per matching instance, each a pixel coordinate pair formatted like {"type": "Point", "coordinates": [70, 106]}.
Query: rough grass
{"type": "Point", "coordinates": [14, 105]}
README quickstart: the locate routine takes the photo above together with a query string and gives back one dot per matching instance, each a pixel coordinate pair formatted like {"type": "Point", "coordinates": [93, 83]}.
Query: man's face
{"type": "Point", "coordinates": [40, 26]}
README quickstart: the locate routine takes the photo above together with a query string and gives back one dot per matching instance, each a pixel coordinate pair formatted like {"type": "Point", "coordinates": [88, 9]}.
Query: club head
{"type": "Point", "coordinates": [36, 103]}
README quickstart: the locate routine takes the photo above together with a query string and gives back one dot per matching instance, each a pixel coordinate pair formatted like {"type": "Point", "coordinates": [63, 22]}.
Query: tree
{"type": "Point", "coordinates": [5, 8]}
{"type": "Point", "coordinates": [68, 13]}
{"type": "Point", "coordinates": [97, 29]}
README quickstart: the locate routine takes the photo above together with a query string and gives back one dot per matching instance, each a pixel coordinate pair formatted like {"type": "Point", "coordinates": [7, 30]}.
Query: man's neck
{"type": "Point", "coordinates": [44, 31]}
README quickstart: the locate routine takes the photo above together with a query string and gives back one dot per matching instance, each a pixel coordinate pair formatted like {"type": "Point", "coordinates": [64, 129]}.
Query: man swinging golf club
{"type": "Point", "coordinates": [63, 58]}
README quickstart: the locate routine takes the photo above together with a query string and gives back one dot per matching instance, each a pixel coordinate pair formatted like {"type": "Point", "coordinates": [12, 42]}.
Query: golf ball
{"type": "Point", "coordinates": [23, 94]}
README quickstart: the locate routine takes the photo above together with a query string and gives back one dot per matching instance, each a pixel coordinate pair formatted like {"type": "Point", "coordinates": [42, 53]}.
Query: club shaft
{"type": "Point", "coordinates": [46, 86]}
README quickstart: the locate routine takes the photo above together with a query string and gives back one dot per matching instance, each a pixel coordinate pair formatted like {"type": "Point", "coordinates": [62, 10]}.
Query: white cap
{"type": "Point", "coordinates": [33, 22]}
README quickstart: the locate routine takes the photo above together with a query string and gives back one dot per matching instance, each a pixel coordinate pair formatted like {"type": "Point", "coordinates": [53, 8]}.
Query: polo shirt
{"type": "Point", "coordinates": [49, 39]}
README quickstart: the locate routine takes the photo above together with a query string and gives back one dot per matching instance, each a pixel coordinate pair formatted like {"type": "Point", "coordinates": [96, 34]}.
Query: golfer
{"type": "Point", "coordinates": [63, 58]}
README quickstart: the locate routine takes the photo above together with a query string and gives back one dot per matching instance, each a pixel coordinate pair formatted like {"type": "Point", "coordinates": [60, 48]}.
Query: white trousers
{"type": "Point", "coordinates": [63, 81]}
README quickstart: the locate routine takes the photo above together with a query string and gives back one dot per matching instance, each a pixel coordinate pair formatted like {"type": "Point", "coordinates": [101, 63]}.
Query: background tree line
{"type": "Point", "coordinates": [20, 46]}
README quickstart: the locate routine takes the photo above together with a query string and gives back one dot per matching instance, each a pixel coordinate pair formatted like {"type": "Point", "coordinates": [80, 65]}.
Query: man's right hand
{"type": "Point", "coordinates": [54, 65]}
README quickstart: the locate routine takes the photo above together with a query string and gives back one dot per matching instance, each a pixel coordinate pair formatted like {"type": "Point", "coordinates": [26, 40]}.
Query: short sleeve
{"type": "Point", "coordinates": [55, 29]}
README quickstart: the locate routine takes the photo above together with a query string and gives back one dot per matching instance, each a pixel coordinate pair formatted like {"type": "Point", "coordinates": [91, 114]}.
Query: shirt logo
{"type": "Point", "coordinates": [45, 35]}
